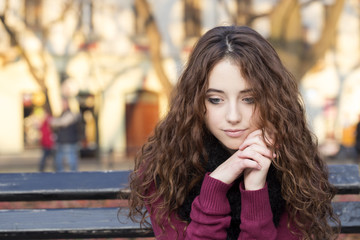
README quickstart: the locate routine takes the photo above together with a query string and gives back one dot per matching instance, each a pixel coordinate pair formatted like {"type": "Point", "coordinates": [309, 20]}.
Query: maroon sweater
{"type": "Point", "coordinates": [210, 216]}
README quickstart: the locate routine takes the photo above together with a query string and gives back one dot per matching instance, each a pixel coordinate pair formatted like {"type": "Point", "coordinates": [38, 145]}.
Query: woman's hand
{"type": "Point", "coordinates": [231, 169]}
{"type": "Point", "coordinates": [254, 148]}
{"type": "Point", "coordinates": [253, 158]}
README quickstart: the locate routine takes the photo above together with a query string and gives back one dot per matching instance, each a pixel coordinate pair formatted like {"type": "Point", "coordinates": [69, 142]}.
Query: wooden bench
{"type": "Point", "coordinates": [105, 222]}
{"type": "Point", "coordinates": [347, 181]}
{"type": "Point", "coordinates": [66, 223]}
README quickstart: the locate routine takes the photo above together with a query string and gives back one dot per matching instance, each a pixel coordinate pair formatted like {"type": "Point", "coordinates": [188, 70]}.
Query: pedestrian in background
{"type": "Point", "coordinates": [46, 140]}
{"type": "Point", "coordinates": [68, 131]}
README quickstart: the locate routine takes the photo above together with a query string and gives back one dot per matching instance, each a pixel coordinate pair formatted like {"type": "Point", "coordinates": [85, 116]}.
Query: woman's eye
{"type": "Point", "coordinates": [214, 100]}
{"type": "Point", "coordinates": [249, 100]}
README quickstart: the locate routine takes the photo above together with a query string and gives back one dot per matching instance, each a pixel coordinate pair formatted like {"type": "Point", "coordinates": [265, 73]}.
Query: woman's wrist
{"type": "Point", "coordinates": [252, 184]}
{"type": "Point", "coordinates": [254, 187]}
{"type": "Point", "coordinates": [250, 187]}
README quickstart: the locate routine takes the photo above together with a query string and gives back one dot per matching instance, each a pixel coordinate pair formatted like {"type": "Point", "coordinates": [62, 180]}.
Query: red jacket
{"type": "Point", "coordinates": [47, 139]}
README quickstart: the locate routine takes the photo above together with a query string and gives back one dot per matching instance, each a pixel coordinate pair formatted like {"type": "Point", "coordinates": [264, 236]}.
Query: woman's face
{"type": "Point", "coordinates": [229, 105]}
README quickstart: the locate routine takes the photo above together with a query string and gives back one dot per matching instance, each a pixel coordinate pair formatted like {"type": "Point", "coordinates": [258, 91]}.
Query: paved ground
{"type": "Point", "coordinates": [28, 162]}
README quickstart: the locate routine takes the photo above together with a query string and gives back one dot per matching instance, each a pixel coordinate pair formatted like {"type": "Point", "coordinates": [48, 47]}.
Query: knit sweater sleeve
{"type": "Point", "coordinates": [210, 215]}
{"type": "Point", "coordinates": [256, 218]}
{"type": "Point", "coordinates": [210, 211]}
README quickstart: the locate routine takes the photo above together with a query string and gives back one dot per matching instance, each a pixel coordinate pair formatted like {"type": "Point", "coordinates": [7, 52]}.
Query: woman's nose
{"type": "Point", "coordinates": [233, 114]}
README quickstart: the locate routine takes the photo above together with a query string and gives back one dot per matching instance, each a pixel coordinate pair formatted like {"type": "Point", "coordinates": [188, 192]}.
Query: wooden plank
{"type": "Point", "coordinates": [63, 186]}
{"type": "Point", "coordinates": [108, 184]}
{"type": "Point", "coordinates": [69, 224]}
{"type": "Point", "coordinates": [106, 223]}
{"type": "Point", "coordinates": [349, 214]}
{"type": "Point", "coordinates": [345, 177]}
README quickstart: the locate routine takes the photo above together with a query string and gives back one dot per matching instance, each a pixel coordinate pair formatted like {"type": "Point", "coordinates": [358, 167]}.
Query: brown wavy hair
{"type": "Point", "coordinates": [172, 158]}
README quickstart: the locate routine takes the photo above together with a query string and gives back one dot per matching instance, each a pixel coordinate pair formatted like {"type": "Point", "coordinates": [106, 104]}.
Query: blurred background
{"type": "Point", "coordinates": [117, 61]}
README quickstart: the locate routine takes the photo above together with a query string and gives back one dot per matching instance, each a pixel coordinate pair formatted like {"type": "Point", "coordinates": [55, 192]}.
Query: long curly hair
{"type": "Point", "coordinates": [173, 158]}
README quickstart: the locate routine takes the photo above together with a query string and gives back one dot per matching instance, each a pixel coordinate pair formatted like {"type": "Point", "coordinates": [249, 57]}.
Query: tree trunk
{"type": "Point", "coordinates": [244, 12]}
{"type": "Point", "coordinates": [154, 38]}
{"type": "Point", "coordinates": [192, 18]}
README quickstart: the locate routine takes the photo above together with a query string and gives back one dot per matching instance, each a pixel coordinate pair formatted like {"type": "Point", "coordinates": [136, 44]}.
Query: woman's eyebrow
{"type": "Point", "coordinates": [214, 90]}
{"type": "Point", "coordinates": [247, 90]}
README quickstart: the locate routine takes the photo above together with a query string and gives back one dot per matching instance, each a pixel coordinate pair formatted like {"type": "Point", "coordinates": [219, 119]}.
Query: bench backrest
{"type": "Point", "coordinates": [109, 184]}
{"type": "Point", "coordinates": [345, 177]}
{"type": "Point", "coordinates": [63, 186]}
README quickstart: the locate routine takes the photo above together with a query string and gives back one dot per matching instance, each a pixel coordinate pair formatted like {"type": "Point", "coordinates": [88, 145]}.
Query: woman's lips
{"type": "Point", "coordinates": [234, 133]}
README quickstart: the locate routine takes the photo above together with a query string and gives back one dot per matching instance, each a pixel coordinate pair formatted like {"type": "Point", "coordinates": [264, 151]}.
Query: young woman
{"type": "Point", "coordinates": [234, 157]}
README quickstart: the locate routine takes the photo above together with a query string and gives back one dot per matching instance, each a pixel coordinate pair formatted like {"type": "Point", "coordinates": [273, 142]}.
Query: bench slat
{"type": "Point", "coordinates": [68, 223]}
{"type": "Point", "coordinates": [103, 222]}
{"type": "Point", "coordinates": [345, 177]}
{"type": "Point", "coordinates": [349, 214]}
{"type": "Point", "coordinates": [108, 184]}
{"type": "Point", "coordinates": [63, 186]}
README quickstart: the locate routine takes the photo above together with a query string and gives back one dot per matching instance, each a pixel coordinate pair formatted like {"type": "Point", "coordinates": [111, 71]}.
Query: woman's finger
{"type": "Point", "coordinates": [254, 150]}
{"type": "Point", "coordinates": [257, 138]}
{"type": "Point", "coordinates": [232, 168]}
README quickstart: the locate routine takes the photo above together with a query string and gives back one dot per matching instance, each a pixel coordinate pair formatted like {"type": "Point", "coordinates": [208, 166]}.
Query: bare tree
{"type": "Point", "coordinates": [287, 35]}
{"type": "Point", "coordinates": [39, 71]}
